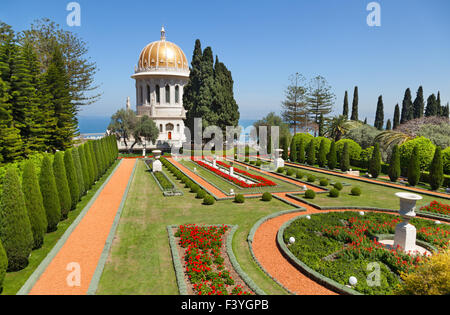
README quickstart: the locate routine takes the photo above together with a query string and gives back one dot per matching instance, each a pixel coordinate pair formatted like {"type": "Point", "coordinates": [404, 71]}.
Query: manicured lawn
{"type": "Point", "coordinates": [140, 261]}
{"type": "Point", "coordinates": [372, 195]}
{"type": "Point", "coordinates": [15, 280]}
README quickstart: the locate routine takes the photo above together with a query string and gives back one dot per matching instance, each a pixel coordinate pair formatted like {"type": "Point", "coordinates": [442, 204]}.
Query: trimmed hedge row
{"type": "Point", "coordinates": [50, 186]}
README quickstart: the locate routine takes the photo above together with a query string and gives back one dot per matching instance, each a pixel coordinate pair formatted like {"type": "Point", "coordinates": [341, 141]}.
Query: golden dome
{"type": "Point", "coordinates": [162, 55]}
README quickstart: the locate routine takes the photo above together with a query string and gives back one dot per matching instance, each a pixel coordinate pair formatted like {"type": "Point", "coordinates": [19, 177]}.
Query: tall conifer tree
{"type": "Point", "coordinates": [355, 105]}
{"type": "Point", "coordinates": [379, 117]}
{"type": "Point", "coordinates": [419, 104]}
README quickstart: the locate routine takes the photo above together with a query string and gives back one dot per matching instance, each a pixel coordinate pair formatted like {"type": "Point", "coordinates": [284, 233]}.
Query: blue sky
{"type": "Point", "coordinates": [263, 42]}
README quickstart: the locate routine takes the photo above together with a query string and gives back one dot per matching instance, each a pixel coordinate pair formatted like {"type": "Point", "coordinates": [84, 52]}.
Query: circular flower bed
{"type": "Point", "coordinates": [437, 207]}
{"type": "Point", "coordinates": [340, 245]}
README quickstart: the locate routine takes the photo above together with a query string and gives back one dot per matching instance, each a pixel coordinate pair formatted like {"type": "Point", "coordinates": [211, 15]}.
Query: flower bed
{"type": "Point", "coordinates": [437, 207]}
{"type": "Point", "coordinates": [341, 245]}
{"type": "Point", "coordinates": [206, 267]}
{"type": "Point", "coordinates": [263, 182]}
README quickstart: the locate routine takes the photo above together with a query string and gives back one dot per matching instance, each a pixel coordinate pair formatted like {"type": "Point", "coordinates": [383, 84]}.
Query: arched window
{"type": "Point", "coordinates": [160, 128]}
{"type": "Point", "coordinates": [169, 127]}
{"type": "Point", "coordinates": [177, 94]}
{"type": "Point", "coordinates": [148, 94]}
{"type": "Point", "coordinates": [167, 94]}
{"type": "Point", "coordinates": [158, 96]}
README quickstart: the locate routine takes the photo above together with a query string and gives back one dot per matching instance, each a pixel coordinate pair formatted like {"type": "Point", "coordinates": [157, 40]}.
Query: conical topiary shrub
{"type": "Point", "coordinates": [311, 153]}
{"type": "Point", "coordinates": [78, 170]}
{"type": "Point", "coordinates": [49, 193]}
{"type": "Point", "coordinates": [15, 228]}
{"type": "Point", "coordinates": [301, 151]}
{"type": "Point", "coordinates": [414, 167]}
{"type": "Point", "coordinates": [61, 183]}
{"type": "Point", "coordinates": [3, 265]}
{"type": "Point", "coordinates": [345, 158]}
{"type": "Point", "coordinates": [34, 204]}
{"type": "Point", "coordinates": [436, 177]}
{"type": "Point", "coordinates": [71, 178]}
{"type": "Point", "coordinates": [322, 160]}
{"type": "Point", "coordinates": [332, 156]}
{"type": "Point", "coordinates": [84, 168]}
{"type": "Point", "coordinates": [94, 156]}
{"type": "Point", "coordinates": [89, 163]}
{"type": "Point", "coordinates": [394, 165]}
{"type": "Point", "coordinates": [375, 162]}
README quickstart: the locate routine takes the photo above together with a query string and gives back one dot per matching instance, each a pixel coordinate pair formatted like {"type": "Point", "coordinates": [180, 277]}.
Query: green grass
{"type": "Point", "coordinates": [372, 195]}
{"type": "Point", "coordinates": [226, 185]}
{"type": "Point", "coordinates": [140, 261]}
{"type": "Point", "coordinates": [15, 280]}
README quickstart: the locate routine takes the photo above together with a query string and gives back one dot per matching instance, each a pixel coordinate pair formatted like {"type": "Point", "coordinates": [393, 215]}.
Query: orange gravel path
{"type": "Point", "coordinates": [85, 245]}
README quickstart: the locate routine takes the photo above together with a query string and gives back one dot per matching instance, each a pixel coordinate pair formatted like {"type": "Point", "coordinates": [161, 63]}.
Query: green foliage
{"type": "Point", "coordinates": [239, 198]}
{"type": "Point", "coordinates": [407, 107]}
{"type": "Point", "coordinates": [293, 151]}
{"type": "Point", "coordinates": [338, 186]}
{"type": "Point", "coordinates": [414, 167]}
{"type": "Point", "coordinates": [280, 170]}
{"type": "Point", "coordinates": [375, 162]}
{"type": "Point", "coordinates": [290, 172]}
{"type": "Point", "coordinates": [59, 171]}
{"type": "Point", "coordinates": [396, 122]}
{"type": "Point", "coordinates": [311, 178]}
{"type": "Point", "coordinates": [311, 153]}
{"type": "Point", "coordinates": [201, 194]}
{"type": "Point", "coordinates": [355, 105]}
{"type": "Point", "coordinates": [322, 160]}
{"type": "Point", "coordinates": [89, 163]}
{"type": "Point", "coordinates": [299, 175]}
{"type": "Point", "coordinates": [208, 200]}
{"type": "Point", "coordinates": [71, 178]}
{"type": "Point", "coordinates": [49, 193]}
{"type": "Point", "coordinates": [394, 165]}
{"type": "Point", "coordinates": [364, 135]}
{"type": "Point", "coordinates": [436, 170]}
{"type": "Point", "coordinates": [34, 204]}
{"type": "Point", "coordinates": [345, 158]}
{"type": "Point", "coordinates": [78, 171]}
{"type": "Point", "coordinates": [285, 147]}
{"type": "Point", "coordinates": [310, 194]}
{"type": "Point", "coordinates": [446, 160]}
{"type": "Point", "coordinates": [300, 150]}
{"type": "Point", "coordinates": [267, 196]}
{"type": "Point", "coordinates": [15, 228]}
{"type": "Point", "coordinates": [332, 156]}
{"type": "Point", "coordinates": [195, 188]}
{"type": "Point", "coordinates": [354, 149]}
{"type": "Point", "coordinates": [379, 117]}
{"type": "Point", "coordinates": [439, 134]}
{"type": "Point", "coordinates": [334, 193]}
{"type": "Point", "coordinates": [356, 191]}
{"type": "Point", "coordinates": [85, 168]}
{"type": "Point", "coordinates": [324, 182]}
{"type": "Point", "coordinates": [425, 151]}
{"type": "Point", "coordinates": [3, 265]}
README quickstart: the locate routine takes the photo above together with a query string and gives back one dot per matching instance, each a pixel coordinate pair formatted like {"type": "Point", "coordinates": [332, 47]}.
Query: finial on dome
{"type": "Point", "coordinates": [163, 33]}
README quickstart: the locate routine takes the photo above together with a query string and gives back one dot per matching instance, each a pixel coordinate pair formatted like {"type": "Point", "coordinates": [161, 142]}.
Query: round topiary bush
{"type": "Point", "coordinates": [338, 186]}
{"type": "Point", "coordinates": [247, 160]}
{"type": "Point", "coordinates": [354, 149]}
{"type": "Point", "coordinates": [209, 200]}
{"type": "Point", "coordinates": [239, 198]}
{"type": "Point", "coordinates": [201, 194]}
{"type": "Point", "coordinates": [299, 175]}
{"type": "Point", "coordinates": [267, 196]}
{"type": "Point", "coordinates": [356, 191]}
{"type": "Point", "coordinates": [311, 178]}
{"type": "Point", "coordinates": [310, 194]}
{"type": "Point", "coordinates": [258, 163]}
{"type": "Point", "coordinates": [290, 172]}
{"type": "Point", "coordinates": [425, 152]}
{"type": "Point", "coordinates": [280, 170]}
{"type": "Point", "coordinates": [324, 182]}
{"type": "Point", "coordinates": [334, 193]}
{"type": "Point", "coordinates": [195, 188]}
{"type": "Point", "coordinates": [252, 162]}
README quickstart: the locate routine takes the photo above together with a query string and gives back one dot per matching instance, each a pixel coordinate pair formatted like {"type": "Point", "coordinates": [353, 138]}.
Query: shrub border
{"type": "Point", "coordinates": [40, 269]}
{"type": "Point", "coordinates": [174, 187]}
{"type": "Point", "coordinates": [182, 287]}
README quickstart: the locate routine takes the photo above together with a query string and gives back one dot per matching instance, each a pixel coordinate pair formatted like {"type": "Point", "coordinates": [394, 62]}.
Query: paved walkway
{"type": "Point", "coordinates": [85, 244]}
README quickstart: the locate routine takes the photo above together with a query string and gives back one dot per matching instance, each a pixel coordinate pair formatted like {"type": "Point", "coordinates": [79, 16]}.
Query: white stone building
{"type": "Point", "coordinates": [161, 74]}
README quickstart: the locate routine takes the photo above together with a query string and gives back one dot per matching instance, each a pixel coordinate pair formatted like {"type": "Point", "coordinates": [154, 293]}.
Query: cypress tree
{"type": "Point", "coordinates": [388, 125]}
{"type": "Point", "coordinates": [379, 117]}
{"type": "Point", "coordinates": [34, 204]}
{"type": "Point", "coordinates": [285, 147]}
{"type": "Point", "coordinates": [436, 177]}
{"type": "Point", "coordinates": [269, 144]}
{"type": "Point", "coordinates": [84, 168]}
{"type": "Point", "coordinates": [321, 126]}
{"type": "Point", "coordinates": [431, 109]}
{"type": "Point", "coordinates": [301, 151]}
{"type": "Point", "coordinates": [355, 105]}
{"type": "Point", "coordinates": [345, 110]}
{"type": "Point", "coordinates": [49, 193]}
{"type": "Point", "coordinates": [345, 158]}
{"type": "Point", "coordinates": [94, 160]}
{"type": "Point", "coordinates": [394, 164]}
{"type": "Point", "coordinates": [414, 167]}
{"type": "Point", "coordinates": [293, 151]}
{"type": "Point", "coordinates": [419, 104]}
{"type": "Point", "coordinates": [365, 121]}
{"type": "Point", "coordinates": [396, 117]}
{"type": "Point", "coordinates": [322, 154]}
{"type": "Point", "coordinates": [332, 156]}
{"type": "Point", "coordinates": [90, 163]}
{"type": "Point", "coordinates": [407, 107]}
{"type": "Point", "coordinates": [311, 155]}
{"type": "Point", "coordinates": [3, 265]}
{"type": "Point", "coordinates": [78, 170]}
{"type": "Point", "coordinates": [438, 104]}
{"type": "Point", "coordinates": [375, 162]}
{"type": "Point", "coordinates": [446, 111]}
{"type": "Point", "coordinates": [97, 158]}
{"type": "Point", "coordinates": [103, 155]}
{"type": "Point", "coordinates": [61, 182]}
{"type": "Point", "coordinates": [15, 228]}
{"type": "Point", "coordinates": [72, 178]}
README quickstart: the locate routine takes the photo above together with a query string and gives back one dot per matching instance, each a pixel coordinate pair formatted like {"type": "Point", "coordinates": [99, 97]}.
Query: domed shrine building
{"type": "Point", "coordinates": [161, 74]}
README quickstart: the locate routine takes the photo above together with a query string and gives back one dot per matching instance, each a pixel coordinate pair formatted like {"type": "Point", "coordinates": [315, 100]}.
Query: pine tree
{"type": "Point", "coordinates": [301, 151]}
{"type": "Point", "coordinates": [49, 193]}
{"type": "Point", "coordinates": [414, 167]}
{"type": "Point", "coordinates": [436, 177]}
{"type": "Point", "coordinates": [293, 150]}
{"type": "Point", "coordinates": [78, 170]}
{"type": "Point", "coordinates": [311, 153]}
{"type": "Point", "coordinates": [72, 178]}
{"type": "Point", "coordinates": [345, 158]}
{"type": "Point", "coordinates": [320, 98]}
{"type": "Point", "coordinates": [396, 117]}
{"type": "Point", "coordinates": [85, 169]}
{"type": "Point", "coordinates": [355, 105]}
{"type": "Point", "coordinates": [432, 109]}
{"type": "Point", "coordinates": [375, 161]}
{"type": "Point", "coordinates": [419, 104]}
{"type": "Point", "coordinates": [59, 171]}
{"type": "Point", "coordinates": [394, 164]}
{"type": "Point", "coordinates": [345, 110]}
{"type": "Point", "coordinates": [379, 117]}
{"type": "Point", "coordinates": [389, 125]}
{"type": "Point", "coordinates": [322, 160]}
{"type": "Point", "coordinates": [332, 156]}
{"type": "Point", "coordinates": [295, 106]}
{"type": "Point", "coordinates": [34, 204]}
{"type": "Point", "coordinates": [15, 228]}
{"type": "Point", "coordinates": [407, 107]}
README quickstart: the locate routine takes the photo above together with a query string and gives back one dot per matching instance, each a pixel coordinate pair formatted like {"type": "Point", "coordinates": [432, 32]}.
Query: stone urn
{"type": "Point", "coordinates": [405, 233]}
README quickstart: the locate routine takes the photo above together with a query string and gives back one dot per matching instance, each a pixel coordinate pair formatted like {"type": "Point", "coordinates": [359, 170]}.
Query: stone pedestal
{"type": "Point", "coordinates": [405, 233]}
{"type": "Point", "coordinates": [143, 152]}
{"type": "Point", "coordinates": [279, 163]}
{"type": "Point", "coordinates": [157, 166]}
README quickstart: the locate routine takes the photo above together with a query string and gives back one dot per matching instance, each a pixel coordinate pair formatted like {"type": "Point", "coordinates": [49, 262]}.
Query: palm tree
{"type": "Point", "coordinates": [389, 138]}
{"type": "Point", "coordinates": [338, 126]}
